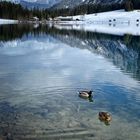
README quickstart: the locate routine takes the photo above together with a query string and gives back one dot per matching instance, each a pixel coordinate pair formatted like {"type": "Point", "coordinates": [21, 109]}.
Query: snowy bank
{"type": "Point", "coordinates": [117, 22]}
{"type": "Point", "coordinates": [118, 16]}
{"type": "Point", "coordinates": [7, 21]}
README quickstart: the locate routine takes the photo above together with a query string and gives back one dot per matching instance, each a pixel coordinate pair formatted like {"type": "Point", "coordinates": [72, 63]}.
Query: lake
{"type": "Point", "coordinates": [42, 68]}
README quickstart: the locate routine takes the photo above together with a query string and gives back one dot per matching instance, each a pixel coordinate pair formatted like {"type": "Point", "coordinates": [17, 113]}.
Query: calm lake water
{"type": "Point", "coordinates": [42, 69]}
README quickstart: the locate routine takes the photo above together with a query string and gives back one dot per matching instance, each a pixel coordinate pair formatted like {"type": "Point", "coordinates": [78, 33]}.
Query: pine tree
{"type": "Point", "coordinates": [129, 5]}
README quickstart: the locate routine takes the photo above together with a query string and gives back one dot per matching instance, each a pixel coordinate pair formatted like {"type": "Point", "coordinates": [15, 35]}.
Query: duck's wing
{"type": "Point", "coordinates": [83, 92]}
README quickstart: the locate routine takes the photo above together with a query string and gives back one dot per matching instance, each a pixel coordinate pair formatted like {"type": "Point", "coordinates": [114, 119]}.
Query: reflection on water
{"type": "Point", "coordinates": [43, 68]}
{"type": "Point", "coordinates": [113, 28]}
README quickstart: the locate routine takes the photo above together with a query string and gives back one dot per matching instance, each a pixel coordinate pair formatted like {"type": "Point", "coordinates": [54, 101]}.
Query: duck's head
{"type": "Point", "coordinates": [90, 92]}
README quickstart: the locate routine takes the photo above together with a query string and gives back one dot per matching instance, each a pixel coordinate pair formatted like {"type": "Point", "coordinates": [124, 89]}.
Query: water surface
{"type": "Point", "coordinates": [41, 71]}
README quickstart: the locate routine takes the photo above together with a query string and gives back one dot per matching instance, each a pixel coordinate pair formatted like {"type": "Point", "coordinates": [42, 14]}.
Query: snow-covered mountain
{"type": "Point", "coordinates": [60, 3]}
{"type": "Point", "coordinates": [38, 3]}
{"type": "Point", "coordinates": [73, 3]}
{"type": "Point", "coordinates": [13, 1]}
{"type": "Point", "coordinates": [35, 3]}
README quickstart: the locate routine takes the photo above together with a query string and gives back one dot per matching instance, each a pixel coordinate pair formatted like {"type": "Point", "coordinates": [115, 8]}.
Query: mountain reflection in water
{"type": "Point", "coordinates": [43, 68]}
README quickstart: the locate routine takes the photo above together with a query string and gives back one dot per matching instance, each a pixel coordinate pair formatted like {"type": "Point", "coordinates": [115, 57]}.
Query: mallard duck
{"type": "Point", "coordinates": [105, 116]}
{"type": "Point", "coordinates": [85, 94]}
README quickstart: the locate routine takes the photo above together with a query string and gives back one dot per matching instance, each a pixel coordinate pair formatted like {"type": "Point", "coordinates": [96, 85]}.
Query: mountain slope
{"type": "Point", "coordinates": [38, 3]}
{"type": "Point", "coordinates": [60, 3]}
{"type": "Point", "coordinates": [35, 3]}
{"type": "Point", "coordinates": [73, 3]}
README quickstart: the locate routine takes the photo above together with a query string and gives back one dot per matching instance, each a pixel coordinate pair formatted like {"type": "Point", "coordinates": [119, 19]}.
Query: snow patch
{"type": "Point", "coordinates": [7, 21]}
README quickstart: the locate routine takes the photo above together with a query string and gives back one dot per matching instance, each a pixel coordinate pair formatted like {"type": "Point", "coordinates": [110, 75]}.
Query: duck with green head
{"type": "Point", "coordinates": [86, 95]}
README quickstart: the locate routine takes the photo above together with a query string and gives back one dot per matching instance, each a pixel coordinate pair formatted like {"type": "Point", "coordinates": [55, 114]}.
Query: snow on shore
{"type": "Point", "coordinates": [7, 21]}
{"type": "Point", "coordinates": [118, 16]}
{"type": "Point", "coordinates": [116, 22]}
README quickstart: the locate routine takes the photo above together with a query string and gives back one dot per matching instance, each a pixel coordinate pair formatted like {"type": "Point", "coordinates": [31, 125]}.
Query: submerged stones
{"type": "Point", "coordinates": [6, 136]}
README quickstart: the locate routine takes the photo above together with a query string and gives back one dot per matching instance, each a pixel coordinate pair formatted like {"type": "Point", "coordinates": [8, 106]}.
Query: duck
{"type": "Point", "coordinates": [85, 94]}
{"type": "Point", "coordinates": [105, 117]}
